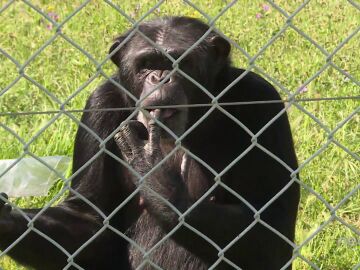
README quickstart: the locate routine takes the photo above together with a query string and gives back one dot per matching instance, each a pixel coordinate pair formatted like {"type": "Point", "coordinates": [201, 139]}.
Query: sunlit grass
{"type": "Point", "coordinates": [291, 60]}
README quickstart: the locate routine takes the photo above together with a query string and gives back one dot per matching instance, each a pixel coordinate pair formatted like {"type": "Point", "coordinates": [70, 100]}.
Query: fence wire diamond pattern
{"type": "Point", "coordinates": [292, 98]}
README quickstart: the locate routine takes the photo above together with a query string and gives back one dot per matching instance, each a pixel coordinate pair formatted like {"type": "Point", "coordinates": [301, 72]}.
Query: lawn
{"type": "Point", "coordinates": [288, 62]}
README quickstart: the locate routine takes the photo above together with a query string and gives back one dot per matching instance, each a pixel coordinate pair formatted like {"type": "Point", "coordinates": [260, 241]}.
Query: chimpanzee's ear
{"type": "Point", "coordinates": [222, 46]}
{"type": "Point", "coordinates": [116, 49]}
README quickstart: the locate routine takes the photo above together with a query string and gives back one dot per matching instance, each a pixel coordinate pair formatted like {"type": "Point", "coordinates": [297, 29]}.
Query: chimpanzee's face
{"type": "Point", "coordinates": [159, 80]}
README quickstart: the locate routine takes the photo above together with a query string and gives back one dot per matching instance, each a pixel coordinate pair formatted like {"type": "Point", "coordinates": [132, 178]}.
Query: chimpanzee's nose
{"type": "Point", "coordinates": [158, 76]}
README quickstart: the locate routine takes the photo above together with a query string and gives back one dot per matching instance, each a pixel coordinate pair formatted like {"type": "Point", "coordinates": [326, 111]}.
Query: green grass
{"type": "Point", "coordinates": [291, 60]}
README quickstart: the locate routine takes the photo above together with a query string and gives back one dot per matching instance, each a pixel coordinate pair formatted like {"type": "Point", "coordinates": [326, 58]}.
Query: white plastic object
{"type": "Point", "coordinates": [30, 177]}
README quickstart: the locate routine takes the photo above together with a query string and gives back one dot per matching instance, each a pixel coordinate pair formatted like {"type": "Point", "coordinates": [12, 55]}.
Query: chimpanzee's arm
{"type": "Point", "coordinates": [221, 223]}
{"type": "Point", "coordinates": [68, 228]}
{"type": "Point", "coordinates": [74, 222]}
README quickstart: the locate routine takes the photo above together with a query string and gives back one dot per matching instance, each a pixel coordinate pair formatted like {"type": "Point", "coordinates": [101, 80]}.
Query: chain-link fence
{"type": "Point", "coordinates": [33, 79]}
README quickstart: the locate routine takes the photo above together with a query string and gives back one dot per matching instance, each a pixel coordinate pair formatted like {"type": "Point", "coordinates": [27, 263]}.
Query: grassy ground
{"type": "Point", "coordinates": [291, 60]}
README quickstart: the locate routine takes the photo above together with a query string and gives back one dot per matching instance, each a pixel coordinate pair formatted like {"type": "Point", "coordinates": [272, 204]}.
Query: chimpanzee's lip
{"type": "Point", "coordinates": [166, 113]}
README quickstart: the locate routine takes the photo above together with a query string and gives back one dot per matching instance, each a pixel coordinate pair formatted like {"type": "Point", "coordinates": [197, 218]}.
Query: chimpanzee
{"type": "Point", "coordinates": [217, 164]}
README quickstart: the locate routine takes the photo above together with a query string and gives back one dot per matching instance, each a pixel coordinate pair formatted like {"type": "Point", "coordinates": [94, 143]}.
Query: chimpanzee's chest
{"type": "Point", "coordinates": [151, 248]}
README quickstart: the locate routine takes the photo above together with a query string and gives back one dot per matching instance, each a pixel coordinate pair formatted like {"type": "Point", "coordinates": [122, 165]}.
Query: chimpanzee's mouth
{"type": "Point", "coordinates": [166, 113]}
{"type": "Point", "coordinates": [172, 118]}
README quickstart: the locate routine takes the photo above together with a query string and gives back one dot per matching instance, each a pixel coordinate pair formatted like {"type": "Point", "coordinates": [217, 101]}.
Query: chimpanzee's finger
{"type": "Point", "coordinates": [139, 130]}
{"type": "Point", "coordinates": [133, 132]}
{"type": "Point", "coordinates": [6, 226]}
{"type": "Point", "coordinates": [121, 142]}
{"type": "Point", "coordinates": [154, 130]}
{"type": "Point", "coordinates": [5, 210]}
{"type": "Point", "coordinates": [3, 196]}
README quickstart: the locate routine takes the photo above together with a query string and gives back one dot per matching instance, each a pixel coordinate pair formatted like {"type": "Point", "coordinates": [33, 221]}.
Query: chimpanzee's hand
{"type": "Point", "coordinates": [142, 155]}
{"type": "Point", "coordinates": [6, 223]}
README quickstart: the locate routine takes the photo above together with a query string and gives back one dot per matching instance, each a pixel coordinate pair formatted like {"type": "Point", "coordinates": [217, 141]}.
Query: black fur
{"type": "Point", "coordinates": [217, 140]}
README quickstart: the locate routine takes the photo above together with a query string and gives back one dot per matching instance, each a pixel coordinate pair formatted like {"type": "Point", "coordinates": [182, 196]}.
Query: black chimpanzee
{"type": "Point", "coordinates": [220, 160]}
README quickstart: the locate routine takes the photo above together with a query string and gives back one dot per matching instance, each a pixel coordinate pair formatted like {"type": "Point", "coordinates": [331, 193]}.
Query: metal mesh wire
{"type": "Point", "coordinates": [291, 100]}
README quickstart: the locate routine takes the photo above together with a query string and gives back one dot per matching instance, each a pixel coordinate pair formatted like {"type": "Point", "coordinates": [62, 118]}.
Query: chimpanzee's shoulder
{"type": "Point", "coordinates": [251, 84]}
